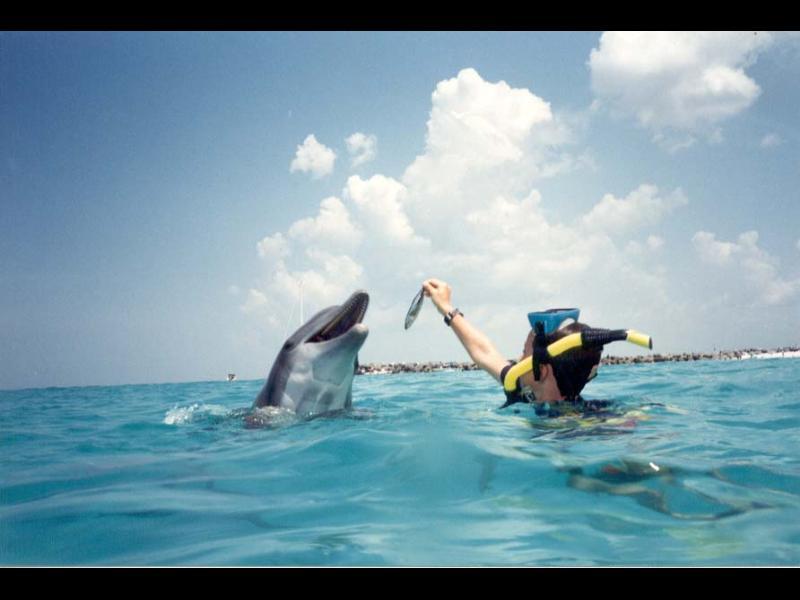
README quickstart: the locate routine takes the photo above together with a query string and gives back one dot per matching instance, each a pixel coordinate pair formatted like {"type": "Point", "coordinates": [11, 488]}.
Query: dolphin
{"type": "Point", "coordinates": [313, 373]}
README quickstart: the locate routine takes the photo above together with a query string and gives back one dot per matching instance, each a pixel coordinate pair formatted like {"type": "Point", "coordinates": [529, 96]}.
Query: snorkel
{"type": "Point", "coordinates": [544, 324]}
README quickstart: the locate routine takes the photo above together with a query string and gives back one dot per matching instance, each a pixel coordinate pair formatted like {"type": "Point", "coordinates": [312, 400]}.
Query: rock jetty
{"type": "Point", "coordinates": [416, 367]}
{"type": "Point", "coordinates": [748, 353]}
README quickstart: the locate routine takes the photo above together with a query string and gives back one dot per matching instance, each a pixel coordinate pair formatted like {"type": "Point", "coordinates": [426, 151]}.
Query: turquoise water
{"type": "Point", "coordinates": [698, 464]}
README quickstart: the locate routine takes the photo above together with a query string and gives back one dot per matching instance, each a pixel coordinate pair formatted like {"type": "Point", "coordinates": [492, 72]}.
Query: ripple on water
{"type": "Point", "coordinates": [697, 463]}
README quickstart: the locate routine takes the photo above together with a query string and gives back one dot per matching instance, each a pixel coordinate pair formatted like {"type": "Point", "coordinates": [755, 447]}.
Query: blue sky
{"type": "Point", "coordinates": [139, 172]}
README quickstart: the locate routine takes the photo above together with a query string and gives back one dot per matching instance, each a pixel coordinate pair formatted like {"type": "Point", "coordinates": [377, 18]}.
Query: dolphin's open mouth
{"type": "Point", "coordinates": [350, 313]}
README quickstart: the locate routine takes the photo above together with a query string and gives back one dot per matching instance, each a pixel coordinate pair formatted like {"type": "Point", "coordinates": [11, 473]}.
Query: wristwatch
{"type": "Point", "coordinates": [451, 315]}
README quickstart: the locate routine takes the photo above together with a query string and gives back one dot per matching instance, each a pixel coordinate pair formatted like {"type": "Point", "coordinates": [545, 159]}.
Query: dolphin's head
{"type": "Point", "coordinates": [313, 373]}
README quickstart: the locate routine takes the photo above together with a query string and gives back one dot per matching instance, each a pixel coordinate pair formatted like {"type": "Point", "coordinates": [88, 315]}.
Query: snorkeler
{"type": "Point", "coordinates": [557, 360]}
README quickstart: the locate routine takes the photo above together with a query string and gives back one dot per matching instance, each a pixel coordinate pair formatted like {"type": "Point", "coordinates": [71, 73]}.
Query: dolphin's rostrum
{"type": "Point", "coordinates": [313, 373]}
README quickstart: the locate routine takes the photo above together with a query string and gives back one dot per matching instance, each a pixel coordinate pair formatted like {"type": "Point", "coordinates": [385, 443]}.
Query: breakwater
{"type": "Point", "coordinates": [745, 354]}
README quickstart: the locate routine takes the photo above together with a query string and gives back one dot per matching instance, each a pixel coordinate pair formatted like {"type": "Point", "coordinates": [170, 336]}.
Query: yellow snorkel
{"type": "Point", "coordinates": [582, 339]}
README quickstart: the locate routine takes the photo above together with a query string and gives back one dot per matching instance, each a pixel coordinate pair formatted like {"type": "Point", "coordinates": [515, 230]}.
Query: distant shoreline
{"type": "Point", "coordinates": [429, 367]}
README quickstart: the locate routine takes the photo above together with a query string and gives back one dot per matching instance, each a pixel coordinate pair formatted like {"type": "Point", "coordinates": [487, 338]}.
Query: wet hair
{"type": "Point", "coordinates": [576, 367]}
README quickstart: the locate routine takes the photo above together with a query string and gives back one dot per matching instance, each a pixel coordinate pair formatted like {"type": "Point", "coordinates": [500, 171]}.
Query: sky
{"type": "Point", "coordinates": [165, 196]}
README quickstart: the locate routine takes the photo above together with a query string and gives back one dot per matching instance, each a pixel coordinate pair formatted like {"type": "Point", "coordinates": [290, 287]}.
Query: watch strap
{"type": "Point", "coordinates": [448, 318]}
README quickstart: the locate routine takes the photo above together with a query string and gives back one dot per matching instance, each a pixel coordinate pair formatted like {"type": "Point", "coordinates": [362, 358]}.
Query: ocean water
{"type": "Point", "coordinates": [694, 464]}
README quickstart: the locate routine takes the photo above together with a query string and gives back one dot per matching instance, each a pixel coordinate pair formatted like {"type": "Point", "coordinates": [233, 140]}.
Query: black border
{"type": "Point", "coordinates": [394, 16]}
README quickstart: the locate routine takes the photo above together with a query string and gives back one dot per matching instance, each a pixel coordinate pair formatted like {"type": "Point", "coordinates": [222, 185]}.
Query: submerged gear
{"type": "Point", "coordinates": [570, 375]}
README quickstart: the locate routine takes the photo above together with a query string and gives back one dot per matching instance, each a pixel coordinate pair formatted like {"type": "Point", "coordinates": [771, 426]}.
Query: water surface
{"type": "Point", "coordinates": [697, 464]}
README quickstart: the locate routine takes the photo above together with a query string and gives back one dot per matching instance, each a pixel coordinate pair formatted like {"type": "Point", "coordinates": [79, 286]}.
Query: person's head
{"type": "Point", "coordinates": [568, 373]}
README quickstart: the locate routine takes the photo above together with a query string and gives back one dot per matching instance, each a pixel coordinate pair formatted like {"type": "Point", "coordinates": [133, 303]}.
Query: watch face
{"type": "Point", "coordinates": [416, 306]}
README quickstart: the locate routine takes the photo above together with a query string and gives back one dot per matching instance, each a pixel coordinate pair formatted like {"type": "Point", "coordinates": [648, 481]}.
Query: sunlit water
{"type": "Point", "coordinates": [698, 464]}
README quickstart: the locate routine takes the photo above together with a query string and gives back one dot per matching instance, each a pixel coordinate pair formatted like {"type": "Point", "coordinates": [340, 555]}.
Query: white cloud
{"type": "Point", "coordinates": [342, 267]}
{"type": "Point", "coordinates": [331, 228]}
{"type": "Point", "coordinates": [313, 157]}
{"type": "Point", "coordinates": [771, 140]}
{"type": "Point", "coordinates": [712, 251]}
{"type": "Point", "coordinates": [379, 201]}
{"type": "Point", "coordinates": [255, 301]}
{"type": "Point", "coordinates": [640, 208]}
{"type": "Point", "coordinates": [508, 235]}
{"type": "Point", "coordinates": [363, 148]}
{"type": "Point", "coordinates": [677, 83]}
{"type": "Point", "coordinates": [315, 256]}
{"type": "Point", "coordinates": [482, 122]}
{"type": "Point", "coordinates": [273, 248]}
{"type": "Point", "coordinates": [325, 279]}
{"type": "Point", "coordinates": [466, 210]}
{"type": "Point", "coordinates": [483, 139]}
{"type": "Point", "coordinates": [653, 243]}
{"type": "Point", "coordinates": [746, 265]}
{"type": "Point", "coordinates": [674, 143]}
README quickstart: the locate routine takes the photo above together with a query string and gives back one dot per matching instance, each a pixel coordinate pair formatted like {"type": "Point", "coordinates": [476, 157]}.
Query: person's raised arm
{"type": "Point", "coordinates": [477, 345]}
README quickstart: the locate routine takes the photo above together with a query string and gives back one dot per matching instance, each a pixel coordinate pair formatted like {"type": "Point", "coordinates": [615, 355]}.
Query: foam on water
{"type": "Point", "coordinates": [180, 415]}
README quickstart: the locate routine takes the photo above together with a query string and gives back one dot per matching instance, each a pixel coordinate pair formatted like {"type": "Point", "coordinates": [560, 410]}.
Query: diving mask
{"type": "Point", "coordinates": [553, 319]}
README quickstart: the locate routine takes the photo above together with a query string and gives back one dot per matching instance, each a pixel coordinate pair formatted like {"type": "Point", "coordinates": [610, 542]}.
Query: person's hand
{"type": "Point", "coordinates": [439, 292]}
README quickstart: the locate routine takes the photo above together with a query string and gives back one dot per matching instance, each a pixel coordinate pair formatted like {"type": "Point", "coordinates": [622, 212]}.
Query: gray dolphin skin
{"type": "Point", "coordinates": [313, 373]}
